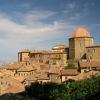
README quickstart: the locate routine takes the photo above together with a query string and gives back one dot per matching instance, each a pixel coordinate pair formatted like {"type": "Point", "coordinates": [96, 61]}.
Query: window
{"type": "Point", "coordinates": [88, 50]}
{"type": "Point", "coordinates": [1, 83]}
{"type": "Point", "coordinates": [1, 77]}
{"type": "Point", "coordinates": [80, 44]}
{"type": "Point", "coordinates": [93, 50]}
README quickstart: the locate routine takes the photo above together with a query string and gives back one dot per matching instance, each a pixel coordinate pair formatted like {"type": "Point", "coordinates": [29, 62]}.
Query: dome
{"type": "Point", "coordinates": [81, 32]}
{"type": "Point", "coordinates": [59, 46]}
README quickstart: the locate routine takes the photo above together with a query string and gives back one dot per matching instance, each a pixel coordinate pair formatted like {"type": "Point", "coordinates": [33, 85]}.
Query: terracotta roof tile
{"type": "Point", "coordinates": [16, 88]}
{"type": "Point", "coordinates": [14, 66]}
{"type": "Point", "coordinates": [84, 64]}
{"type": "Point", "coordinates": [1, 74]}
{"type": "Point", "coordinates": [25, 69]}
{"type": "Point", "coordinates": [69, 72]}
{"type": "Point", "coordinates": [83, 76]}
{"type": "Point", "coordinates": [45, 68]}
{"type": "Point", "coordinates": [20, 79]}
{"type": "Point", "coordinates": [11, 85]}
{"type": "Point", "coordinates": [55, 70]}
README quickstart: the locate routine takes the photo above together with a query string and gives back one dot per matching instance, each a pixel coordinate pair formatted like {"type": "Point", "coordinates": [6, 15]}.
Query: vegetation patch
{"type": "Point", "coordinates": [71, 66]}
{"type": "Point", "coordinates": [80, 90]}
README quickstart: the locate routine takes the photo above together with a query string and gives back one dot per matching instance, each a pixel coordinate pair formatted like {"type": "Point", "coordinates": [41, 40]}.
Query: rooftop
{"type": "Point", "coordinates": [81, 32]}
{"type": "Point", "coordinates": [26, 68]}
{"type": "Point", "coordinates": [55, 70]}
{"type": "Point", "coordinates": [84, 64]}
{"type": "Point", "coordinates": [69, 72]}
{"type": "Point", "coordinates": [60, 46]}
{"type": "Point", "coordinates": [93, 46]}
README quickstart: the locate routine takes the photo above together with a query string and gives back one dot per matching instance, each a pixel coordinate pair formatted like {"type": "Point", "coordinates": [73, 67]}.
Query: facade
{"type": "Point", "coordinates": [68, 74]}
{"type": "Point", "coordinates": [55, 74]}
{"type": "Point", "coordinates": [23, 55]}
{"type": "Point", "coordinates": [92, 52]}
{"type": "Point", "coordinates": [57, 56]}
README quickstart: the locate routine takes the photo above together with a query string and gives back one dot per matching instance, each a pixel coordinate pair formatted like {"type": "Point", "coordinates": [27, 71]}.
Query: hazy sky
{"type": "Point", "coordinates": [41, 24]}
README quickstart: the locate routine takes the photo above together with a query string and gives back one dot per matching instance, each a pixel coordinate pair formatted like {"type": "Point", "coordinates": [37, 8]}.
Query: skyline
{"type": "Point", "coordinates": [42, 24]}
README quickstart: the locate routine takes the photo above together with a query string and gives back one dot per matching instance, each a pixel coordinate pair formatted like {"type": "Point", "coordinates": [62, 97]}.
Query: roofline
{"type": "Point", "coordinates": [25, 71]}
{"type": "Point", "coordinates": [80, 37]}
{"type": "Point", "coordinates": [24, 52]}
{"type": "Point", "coordinates": [93, 46]}
{"type": "Point", "coordinates": [69, 74]}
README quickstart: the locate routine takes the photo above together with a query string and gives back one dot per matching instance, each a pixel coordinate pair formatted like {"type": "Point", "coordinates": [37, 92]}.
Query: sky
{"type": "Point", "coordinates": [41, 24]}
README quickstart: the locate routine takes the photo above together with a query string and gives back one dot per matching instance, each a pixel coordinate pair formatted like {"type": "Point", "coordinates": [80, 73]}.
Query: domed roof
{"type": "Point", "coordinates": [81, 32]}
{"type": "Point", "coordinates": [60, 46]}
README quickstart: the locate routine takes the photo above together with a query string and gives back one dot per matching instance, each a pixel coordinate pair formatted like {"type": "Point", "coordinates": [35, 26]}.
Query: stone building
{"type": "Point", "coordinates": [87, 66]}
{"type": "Point", "coordinates": [81, 47]}
{"type": "Point", "coordinates": [93, 52]}
{"type": "Point", "coordinates": [68, 74]}
{"type": "Point", "coordinates": [80, 39]}
{"type": "Point", "coordinates": [57, 56]}
{"type": "Point", "coordinates": [23, 55]}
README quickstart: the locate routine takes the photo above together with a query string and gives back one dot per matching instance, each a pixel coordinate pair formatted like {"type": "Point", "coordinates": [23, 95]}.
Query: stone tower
{"type": "Point", "coordinates": [80, 39]}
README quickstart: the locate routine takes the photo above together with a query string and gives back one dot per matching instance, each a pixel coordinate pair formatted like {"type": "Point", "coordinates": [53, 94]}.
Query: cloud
{"type": "Point", "coordinates": [37, 15]}
{"type": "Point", "coordinates": [77, 16]}
{"type": "Point", "coordinates": [25, 5]}
{"type": "Point", "coordinates": [16, 36]}
{"type": "Point", "coordinates": [71, 5]}
{"type": "Point", "coordinates": [76, 10]}
{"type": "Point", "coordinates": [12, 30]}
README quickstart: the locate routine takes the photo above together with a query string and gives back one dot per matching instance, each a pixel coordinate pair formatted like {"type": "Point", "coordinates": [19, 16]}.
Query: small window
{"type": "Point", "coordinates": [1, 77]}
{"type": "Point", "coordinates": [93, 50]}
{"type": "Point", "coordinates": [1, 83]}
{"type": "Point", "coordinates": [80, 44]}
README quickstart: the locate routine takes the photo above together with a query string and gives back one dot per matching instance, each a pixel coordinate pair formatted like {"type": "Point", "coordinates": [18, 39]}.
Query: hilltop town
{"type": "Point", "coordinates": [77, 61]}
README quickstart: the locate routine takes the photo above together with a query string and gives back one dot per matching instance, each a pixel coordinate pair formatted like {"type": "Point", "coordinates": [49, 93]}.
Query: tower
{"type": "Point", "coordinates": [80, 39]}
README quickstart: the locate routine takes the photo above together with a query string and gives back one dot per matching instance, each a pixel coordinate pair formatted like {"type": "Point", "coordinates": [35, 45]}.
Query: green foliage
{"type": "Point", "coordinates": [70, 66]}
{"type": "Point", "coordinates": [79, 90]}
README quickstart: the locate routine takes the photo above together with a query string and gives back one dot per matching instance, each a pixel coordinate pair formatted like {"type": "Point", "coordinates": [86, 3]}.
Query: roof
{"type": "Point", "coordinates": [11, 84]}
{"type": "Point", "coordinates": [1, 74]}
{"type": "Point", "coordinates": [83, 76]}
{"type": "Point", "coordinates": [84, 64]}
{"type": "Point", "coordinates": [16, 88]}
{"type": "Point", "coordinates": [81, 32]}
{"type": "Point", "coordinates": [44, 68]}
{"type": "Point", "coordinates": [55, 70]}
{"type": "Point", "coordinates": [22, 66]}
{"type": "Point", "coordinates": [25, 50]}
{"type": "Point", "coordinates": [69, 72]}
{"type": "Point", "coordinates": [20, 79]}
{"type": "Point", "coordinates": [25, 69]}
{"type": "Point", "coordinates": [13, 66]}
{"type": "Point", "coordinates": [93, 46]}
{"type": "Point", "coordinates": [60, 46]}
